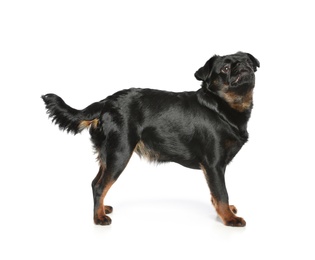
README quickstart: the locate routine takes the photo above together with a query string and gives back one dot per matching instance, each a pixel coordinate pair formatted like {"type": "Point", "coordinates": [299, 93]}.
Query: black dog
{"type": "Point", "coordinates": [200, 130]}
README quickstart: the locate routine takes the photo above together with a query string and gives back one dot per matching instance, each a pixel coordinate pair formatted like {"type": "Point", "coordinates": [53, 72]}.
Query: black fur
{"type": "Point", "coordinates": [67, 117]}
{"type": "Point", "coordinates": [200, 130]}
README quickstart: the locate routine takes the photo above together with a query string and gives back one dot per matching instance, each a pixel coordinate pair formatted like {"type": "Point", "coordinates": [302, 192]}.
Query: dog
{"type": "Point", "coordinates": [202, 129]}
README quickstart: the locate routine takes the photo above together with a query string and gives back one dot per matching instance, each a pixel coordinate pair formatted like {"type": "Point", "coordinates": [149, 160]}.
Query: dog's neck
{"type": "Point", "coordinates": [241, 103]}
{"type": "Point", "coordinates": [233, 109]}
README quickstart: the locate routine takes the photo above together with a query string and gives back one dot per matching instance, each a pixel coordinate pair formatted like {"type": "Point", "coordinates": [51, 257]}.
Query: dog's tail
{"type": "Point", "coordinates": [70, 119]}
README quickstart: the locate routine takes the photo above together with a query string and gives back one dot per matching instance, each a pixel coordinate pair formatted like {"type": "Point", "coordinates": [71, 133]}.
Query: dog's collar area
{"type": "Point", "coordinates": [212, 101]}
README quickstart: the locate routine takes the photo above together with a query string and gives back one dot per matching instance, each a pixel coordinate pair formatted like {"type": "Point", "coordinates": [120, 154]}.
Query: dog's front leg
{"type": "Point", "coordinates": [216, 182]}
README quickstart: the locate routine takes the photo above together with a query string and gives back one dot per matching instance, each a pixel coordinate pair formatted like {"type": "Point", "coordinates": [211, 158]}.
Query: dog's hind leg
{"type": "Point", "coordinates": [111, 167]}
{"type": "Point", "coordinates": [97, 179]}
{"type": "Point", "coordinates": [100, 187]}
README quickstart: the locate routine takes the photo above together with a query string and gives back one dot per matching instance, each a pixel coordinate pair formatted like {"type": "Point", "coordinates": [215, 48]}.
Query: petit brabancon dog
{"type": "Point", "coordinates": [202, 129]}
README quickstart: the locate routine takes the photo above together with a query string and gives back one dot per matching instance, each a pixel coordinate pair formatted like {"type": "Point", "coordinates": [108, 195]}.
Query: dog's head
{"type": "Point", "coordinates": [231, 77]}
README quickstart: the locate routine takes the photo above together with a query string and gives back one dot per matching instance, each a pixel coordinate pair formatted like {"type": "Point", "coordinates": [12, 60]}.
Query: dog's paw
{"type": "Point", "coordinates": [108, 209]}
{"type": "Point", "coordinates": [227, 214]}
{"type": "Point", "coordinates": [235, 222]}
{"type": "Point", "coordinates": [103, 220]}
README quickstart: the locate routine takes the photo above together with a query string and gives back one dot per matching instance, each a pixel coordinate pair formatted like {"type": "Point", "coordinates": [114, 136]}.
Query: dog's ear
{"type": "Point", "coordinates": [204, 72]}
{"type": "Point", "coordinates": [254, 61]}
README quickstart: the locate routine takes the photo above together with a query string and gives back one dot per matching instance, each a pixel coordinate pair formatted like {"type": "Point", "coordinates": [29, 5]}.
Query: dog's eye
{"type": "Point", "coordinates": [226, 69]}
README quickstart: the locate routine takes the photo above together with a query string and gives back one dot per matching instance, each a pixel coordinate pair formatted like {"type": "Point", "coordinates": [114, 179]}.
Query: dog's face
{"type": "Point", "coordinates": [231, 77]}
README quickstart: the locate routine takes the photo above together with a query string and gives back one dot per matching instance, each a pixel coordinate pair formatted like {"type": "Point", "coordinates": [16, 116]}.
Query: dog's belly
{"type": "Point", "coordinates": [160, 153]}
{"type": "Point", "coordinates": [160, 146]}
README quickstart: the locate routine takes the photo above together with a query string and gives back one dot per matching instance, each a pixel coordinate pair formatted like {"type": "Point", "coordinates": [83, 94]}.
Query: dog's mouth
{"type": "Point", "coordinates": [237, 79]}
{"type": "Point", "coordinates": [240, 77]}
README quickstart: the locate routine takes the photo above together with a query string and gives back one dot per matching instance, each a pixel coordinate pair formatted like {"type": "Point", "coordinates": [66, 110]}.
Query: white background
{"type": "Point", "coordinates": [87, 50]}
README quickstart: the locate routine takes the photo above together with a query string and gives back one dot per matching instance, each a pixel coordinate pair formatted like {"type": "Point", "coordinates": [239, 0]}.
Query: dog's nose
{"type": "Point", "coordinates": [240, 65]}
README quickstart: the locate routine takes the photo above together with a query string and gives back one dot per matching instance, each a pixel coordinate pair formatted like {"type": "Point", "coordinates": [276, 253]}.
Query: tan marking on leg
{"type": "Point", "coordinates": [204, 172]}
{"type": "Point", "coordinates": [145, 152]}
{"type": "Point", "coordinates": [100, 217]}
{"type": "Point", "coordinates": [233, 209]}
{"type": "Point", "coordinates": [108, 209]}
{"type": "Point", "coordinates": [228, 218]}
{"type": "Point", "coordinates": [101, 209]}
